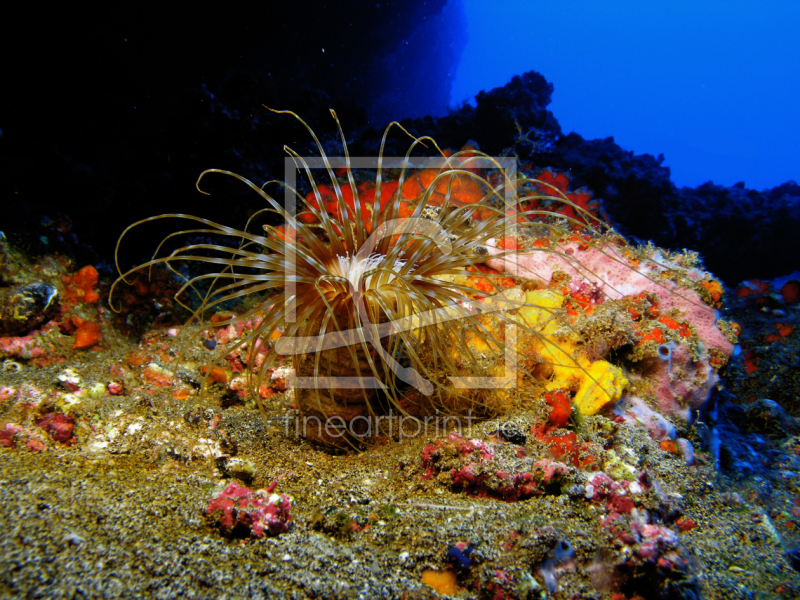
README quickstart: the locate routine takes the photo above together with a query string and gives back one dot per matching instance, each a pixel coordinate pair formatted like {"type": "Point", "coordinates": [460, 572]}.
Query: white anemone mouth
{"type": "Point", "coordinates": [353, 269]}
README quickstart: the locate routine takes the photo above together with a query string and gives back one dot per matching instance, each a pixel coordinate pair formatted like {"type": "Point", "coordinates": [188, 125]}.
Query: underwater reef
{"type": "Point", "coordinates": [555, 408]}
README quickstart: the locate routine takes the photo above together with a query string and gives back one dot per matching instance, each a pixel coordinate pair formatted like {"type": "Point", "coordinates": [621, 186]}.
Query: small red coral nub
{"type": "Point", "coordinates": [79, 286]}
{"type": "Point", "coordinates": [59, 426]}
{"type": "Point", "coordinates": [257, 510]}
{"type": "Point", "coordinates": [87, 335]}
{"type": "Point", "coordinates": [561, 409]}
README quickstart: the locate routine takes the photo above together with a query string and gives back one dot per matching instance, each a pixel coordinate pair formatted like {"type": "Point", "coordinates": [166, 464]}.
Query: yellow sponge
{"type": "Point", "coordinates": [596, 384]}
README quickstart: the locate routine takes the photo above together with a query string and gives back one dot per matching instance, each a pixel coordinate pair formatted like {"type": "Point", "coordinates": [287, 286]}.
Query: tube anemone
{"type": "Point", "coordinates": [370, 300]}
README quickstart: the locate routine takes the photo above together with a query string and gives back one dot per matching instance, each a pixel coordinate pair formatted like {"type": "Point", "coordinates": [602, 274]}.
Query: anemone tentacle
{"type": "Point", "coordinates": [379, 296]}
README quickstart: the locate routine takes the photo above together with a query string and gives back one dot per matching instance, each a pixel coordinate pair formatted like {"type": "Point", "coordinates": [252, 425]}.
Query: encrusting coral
{"type": "Point", "coordinates": [464, 287]}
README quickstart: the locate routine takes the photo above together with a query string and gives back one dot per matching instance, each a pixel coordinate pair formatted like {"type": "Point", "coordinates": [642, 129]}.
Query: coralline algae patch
{"type": "Point", "coordinates": [474, 467]}
{"type": "Point", "coordinates": [652, 306]}
{"type": "Point", "coordinates": [634, 516]}
{"type": "Point", "coordinates": [258, 512]}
